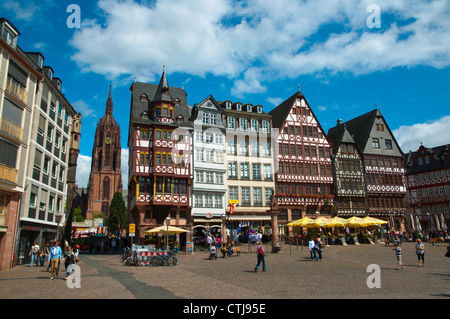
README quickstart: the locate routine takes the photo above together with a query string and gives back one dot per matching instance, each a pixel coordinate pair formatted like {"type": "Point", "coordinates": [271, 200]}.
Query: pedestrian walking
{"type": "Point", "coordinates": [69, 261]}
{"type": "Point", "coordinates": [398, 254]}
{"type": "Point", "coordinates": [319, 248]}
{"type": "Point", "coordinates": [312, 249]}
{"type": "Point", "coordinates": [420, 251]}
{"type": "Point", "coordinates": [54, 258]}
{"type": "Point", "coordinates": [34, 254]}
{"type": "Point", "coordinates": [42, 255]}
{"type": "Point", "coordinates": [260, 254]}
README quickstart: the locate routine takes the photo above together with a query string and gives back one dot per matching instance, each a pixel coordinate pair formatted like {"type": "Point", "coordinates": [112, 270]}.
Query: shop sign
{"type": "Point", "coordinates": [189, 247]}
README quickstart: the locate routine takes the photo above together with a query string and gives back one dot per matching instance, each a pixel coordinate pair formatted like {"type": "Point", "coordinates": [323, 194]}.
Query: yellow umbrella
{"type": "Point", "coordinates": [166, 229]}
{"type": "Point", "coordinates": [370, 221]}
{"type": "Point", "coordinates": [354, 222]}
{"type": "Point", "coordinates": [316, 223]}
{"type": "Point", "coordinates": [298, 223]}
{"type": "Point", "coordinates": [336, 222]}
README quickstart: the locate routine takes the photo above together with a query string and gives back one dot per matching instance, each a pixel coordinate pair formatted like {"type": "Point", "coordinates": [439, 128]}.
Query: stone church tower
{"type": "Point", "coordinates": [106, 176]}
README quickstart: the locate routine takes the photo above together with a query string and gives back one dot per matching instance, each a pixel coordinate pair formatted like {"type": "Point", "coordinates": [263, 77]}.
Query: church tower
{"type": "Point", "coordinates": [106, 176]}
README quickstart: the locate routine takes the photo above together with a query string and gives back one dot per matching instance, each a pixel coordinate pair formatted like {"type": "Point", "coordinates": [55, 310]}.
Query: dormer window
{"type": "Point", "coordinates": [177, 101]}
{"type": "Point", "coordinates": [50, 74]}
{"type": "Point", "coordinates": [259, 109]}
{"type": "Point", "coordinates": [40, 62]}
{"type": "Point", "coordinates": [144, 97]}
{"type": "Point", "coordinates": [238, 107]}
{"type": "Point", "coordinates": [9, 34]}
{"type": "Point", "coordinates": [228, 105]}
{"type": "Point", "coordinates": [144, 115]}
{"type": "Point", "coordinates": [249, 108]}
{"type": "Point", "coordinates": [180, 119]}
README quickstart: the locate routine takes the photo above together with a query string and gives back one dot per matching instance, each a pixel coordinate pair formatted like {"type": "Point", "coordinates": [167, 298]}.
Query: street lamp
{"type": "Point", "coordinates": [167, 232]}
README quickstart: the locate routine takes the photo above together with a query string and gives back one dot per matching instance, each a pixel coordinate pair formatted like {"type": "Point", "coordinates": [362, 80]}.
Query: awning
{"type": "Point", "coordinates": [248, 217]}
{"type": "Point", "coordinates": [204, 220]}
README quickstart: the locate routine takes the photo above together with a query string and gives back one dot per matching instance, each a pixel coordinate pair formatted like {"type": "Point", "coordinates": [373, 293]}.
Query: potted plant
{"type": "Point", "coordinates": [342, 239]}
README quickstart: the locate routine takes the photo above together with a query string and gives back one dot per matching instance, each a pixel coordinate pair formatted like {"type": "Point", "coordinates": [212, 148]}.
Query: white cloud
{"type": "Point", "coordinates": [275, 100]}
{"type": "Point", "coordinates": [84, 169]}
{"type": "Point", "coordinates": [84, 108]}
{"type": "Point", "coordinates": [261, 40]}
{"type": "Point", "coordinates": [430, 134]}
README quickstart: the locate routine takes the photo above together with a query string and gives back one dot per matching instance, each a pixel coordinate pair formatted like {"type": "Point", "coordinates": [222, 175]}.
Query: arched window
{"type": "Point", "coordinates": [105, 209]}
{"type": "Point", "coordinates": [106, 187]}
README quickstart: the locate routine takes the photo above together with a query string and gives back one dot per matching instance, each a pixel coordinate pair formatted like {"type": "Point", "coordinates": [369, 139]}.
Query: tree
{"type": "Point", "coordinates": [117, 214]}
{"type": "Point", "coordinates": [77, 215]}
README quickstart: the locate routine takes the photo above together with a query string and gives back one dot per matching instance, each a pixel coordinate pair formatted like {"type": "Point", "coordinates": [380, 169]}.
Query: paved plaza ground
{"type": "Point", "coordinates": [290, 275]}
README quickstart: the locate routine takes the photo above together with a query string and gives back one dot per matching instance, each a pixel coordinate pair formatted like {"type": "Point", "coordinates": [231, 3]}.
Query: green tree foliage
{"type": "Point", "coordinates": [77, 215]}
{"type": "Point", "coordinates": [117, 214]}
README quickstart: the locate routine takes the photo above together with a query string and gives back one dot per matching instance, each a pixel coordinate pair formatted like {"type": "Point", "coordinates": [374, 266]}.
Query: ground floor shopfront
{"type": "Point", "coordinates": [29, 232]}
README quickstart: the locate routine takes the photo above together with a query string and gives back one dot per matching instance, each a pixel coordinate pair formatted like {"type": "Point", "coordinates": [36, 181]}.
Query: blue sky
{"type": "Point", "coordinates": [256, 52]}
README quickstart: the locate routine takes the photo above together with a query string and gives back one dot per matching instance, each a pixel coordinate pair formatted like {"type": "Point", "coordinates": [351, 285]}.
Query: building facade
{"type": "Point", "coordinates": [250, 168]}
{"type": "Point", "coordinates": [428, 178]}
{"type": "Point", "coordinates": [209, 153]}
{"type": "Point", "coordinates": [160, 160]}
{"type": "Point", "coordinates": [37, 120]}
{"type": "Point", "coordinates": [106, 175]}
{"type": "Point", "coordinates": [384, 167]}
{"type": "Point", "coordinates": [349, 177]}
{"type": "Point", "coordinates": [304, 177]}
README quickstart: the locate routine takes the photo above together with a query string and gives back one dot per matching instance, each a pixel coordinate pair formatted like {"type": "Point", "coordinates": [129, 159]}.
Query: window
{"type": "Point", "coordinates": [232, 147]}
{"type": "Point", "coordinates": [51, 202]}
{"type": "Point", "coordinates": [33, 198]}
{"type": "Point", "coordinates": [388, 144]}
{"type": "Point", "coordinates": [205, 118]}
{"type": "Point", "coordinates": [257, 196]}
{"type": "Point", "coordinates": [54, 169]}
{"type": "Point", "coordinates": [49, 132]}
{"type": "Point", "coordinates": [231, 123]}
{"type": "Point", "coordinates": [243, 148]}
{"type": "Point", "coordinates": [57, 139]}
{"type": "Point", "coordinates": [375, 143]}
{"type": "Point", "coordinates": [265, 127]}
{"type": "Point", "coordinates": [213, 119]}
{"type": "Point", "coordinates": [238, 107]}
{"type": "Point", "coordinates": [249, 108]}
{"type": "Point", "coordinates": [233, 193]}
{"type": "Point", "coordinates": [144, 134]}
{"type": "Point", "coordinates": [61, 174]}
{"type": "Point", "coordinates": [59, 110]}
{"type": "Point", "coordinates": [232, 170]}
{"type": "Point", "coordinates": [106, 187]}
{"type": "Point", "coordinates": [256, 170]}
{"type": "Point", "coordinates": [267, 194]}
{"type": "Point", "coordinates": [243, 124]}
{"type": "Point", "coordinates": [245, 196]}
{"type": "Point", "coordinates": [255, 148]}
{"type": "Point", "coordinates": [266, 149]}
{"type": "Point", "coordinates": [254, 126]}
{"type": "Point", "coordinates": [244, 171]}
{"type": "Point", "coordinates": [267, 172]}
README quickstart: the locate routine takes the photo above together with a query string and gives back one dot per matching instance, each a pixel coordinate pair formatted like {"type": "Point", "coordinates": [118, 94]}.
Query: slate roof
{"type": "Point", "coordinates": [439, 159]}
{"type": "Point", "coordinates": [280, 113]}
{"type": "Point", "coordinates": [151, 90]}
{"type": "Point", "coordinates": [338, 135]}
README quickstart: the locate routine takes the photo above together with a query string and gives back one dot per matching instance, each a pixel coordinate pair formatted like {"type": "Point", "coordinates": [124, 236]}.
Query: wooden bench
{"type": "Point", "coordinates": [224, 251]}
{"type": "Point", "coordinates": [434, 240]}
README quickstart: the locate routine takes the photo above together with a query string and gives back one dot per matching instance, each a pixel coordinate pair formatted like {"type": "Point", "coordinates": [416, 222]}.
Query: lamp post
{"type": "Point", "coordinates": [167, 232]}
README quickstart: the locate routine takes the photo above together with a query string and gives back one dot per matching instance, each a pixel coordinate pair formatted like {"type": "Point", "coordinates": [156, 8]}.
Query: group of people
{"type": "Point", "coordinates": [315, 246]}
{"type": "Point", "coordinates": [420, 252]}
{"type": "Point", "coordinates": [55, 256]}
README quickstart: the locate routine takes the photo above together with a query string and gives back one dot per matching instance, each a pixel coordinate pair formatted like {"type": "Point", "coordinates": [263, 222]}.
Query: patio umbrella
{"type": "Point", "coordinates": [336, 222]}
{"type": "Point", "coordinates": [316, 223]}
{"type": "Point", "coordinates": [166, 229]}
{"type": "Point", "coordinates": [299, 222]}
{"type": "Point", "coordinates": [370, 221]}
{"type": "Point", "coordinates": [354, 222]}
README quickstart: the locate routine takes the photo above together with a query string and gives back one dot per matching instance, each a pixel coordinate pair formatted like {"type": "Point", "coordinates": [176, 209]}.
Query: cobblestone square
{"type": "Point", "coordinates": [290, 274]}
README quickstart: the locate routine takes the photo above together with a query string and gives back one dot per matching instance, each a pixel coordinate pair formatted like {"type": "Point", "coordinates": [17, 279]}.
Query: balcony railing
{"type": "Point", "coordinates": [11, 128]}
{"type": "Point", "coordinates": [8, 173]}
{"type": "Point", "coordinates": [16, 89]}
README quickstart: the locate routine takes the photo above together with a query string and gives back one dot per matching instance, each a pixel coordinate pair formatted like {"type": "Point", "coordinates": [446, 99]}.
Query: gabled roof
{"type": "Point", "coordinates": [280, 113]}
{"type": "Point", "coordinates": [338, 135]}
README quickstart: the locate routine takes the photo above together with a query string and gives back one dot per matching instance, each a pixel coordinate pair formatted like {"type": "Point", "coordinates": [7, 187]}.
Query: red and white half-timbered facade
{"type": "Point", "coordinates": [304, 177]}
{"type": "Point", "coordinates": [160, 161]}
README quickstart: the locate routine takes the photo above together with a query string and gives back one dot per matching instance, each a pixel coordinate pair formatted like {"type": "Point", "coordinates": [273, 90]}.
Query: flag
{"type": "Point", "coordinates": [232, 209]}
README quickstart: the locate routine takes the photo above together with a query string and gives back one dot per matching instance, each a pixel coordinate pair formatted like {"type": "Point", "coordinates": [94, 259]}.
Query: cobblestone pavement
{"type": "Point", "coordinates": [290, 275]}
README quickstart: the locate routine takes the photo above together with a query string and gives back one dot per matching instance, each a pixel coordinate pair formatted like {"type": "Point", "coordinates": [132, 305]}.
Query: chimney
{"type": "Point", "coordinates": [339, 121]}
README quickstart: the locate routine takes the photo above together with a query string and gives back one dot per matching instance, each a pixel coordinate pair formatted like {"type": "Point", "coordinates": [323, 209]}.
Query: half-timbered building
{"type": "Point", "coordinates": [304, 178]}
{"type": "Point", "coordinates": [348, 169]}
{"type": "Point", "coordinates": [428, 178]}
{"type": "Point", "coordinates": [160, 169]}
{"type": "Point", "coordinates": [384, 167]}
{"type": "Point", "coordinates": [208, 200]}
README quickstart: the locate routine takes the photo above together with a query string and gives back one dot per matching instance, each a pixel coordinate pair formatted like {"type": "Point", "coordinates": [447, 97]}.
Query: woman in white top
{"type": "Point", "coordinates": [420, 251]}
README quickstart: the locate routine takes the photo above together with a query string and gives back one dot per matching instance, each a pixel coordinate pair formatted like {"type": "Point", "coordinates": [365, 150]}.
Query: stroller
{"type": "Point", "coordinates": [212, 252]}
